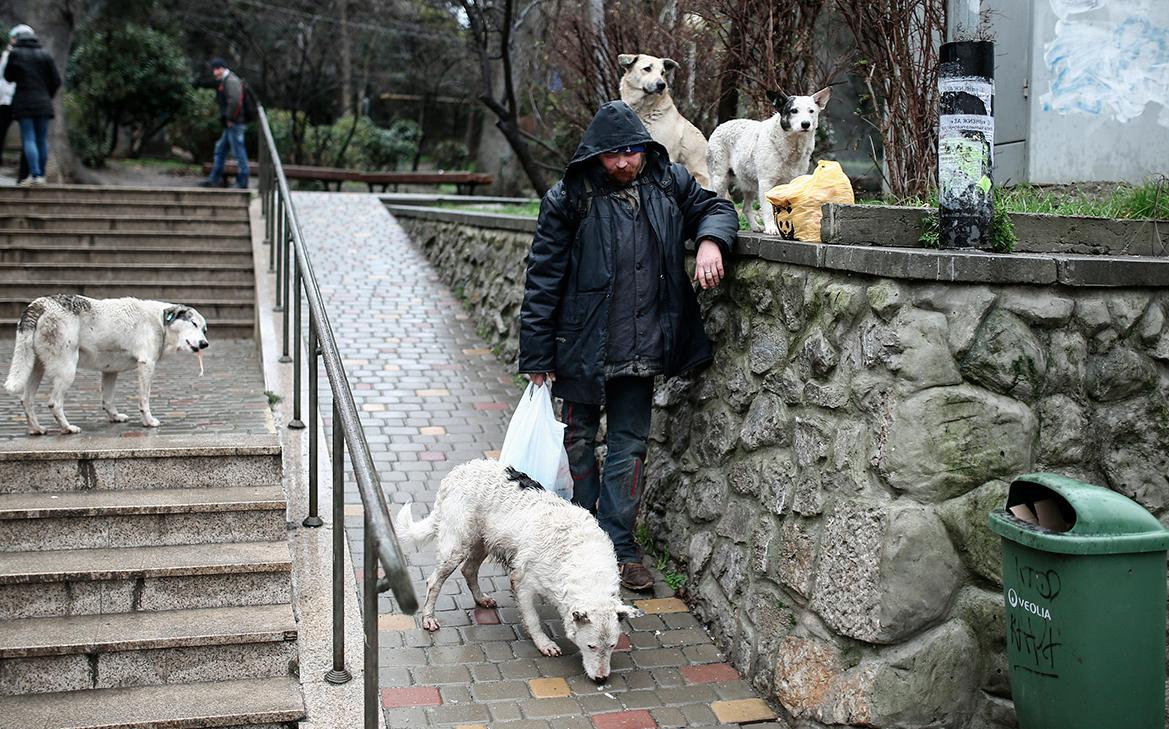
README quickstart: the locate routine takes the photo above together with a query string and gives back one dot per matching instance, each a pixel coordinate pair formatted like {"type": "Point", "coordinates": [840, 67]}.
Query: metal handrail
{"type": "Point", "coordinates": [289, 255]}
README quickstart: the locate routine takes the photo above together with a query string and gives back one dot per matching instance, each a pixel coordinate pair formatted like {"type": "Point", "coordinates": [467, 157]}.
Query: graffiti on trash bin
{"type": "Point", "coordinates": [1032, 634]}
{"type": "Point", "coordinates": [1045, 583]}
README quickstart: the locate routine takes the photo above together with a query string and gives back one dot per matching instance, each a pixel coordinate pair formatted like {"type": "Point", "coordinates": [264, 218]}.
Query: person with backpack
{"type": "Point", "coordinates": [234, 114]}
{"type": "Point", "coordinates": [608, 306]}
{"type": "Point", "coordinates": [35, 74]}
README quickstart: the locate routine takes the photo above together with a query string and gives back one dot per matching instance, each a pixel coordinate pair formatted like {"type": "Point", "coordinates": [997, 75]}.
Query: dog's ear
{"type": "Point", "coordinates": [173, 313]}
{"type": "Point", "coordinates": [778, 99]}
{"type": "Point", "coordinates": [669, 64]}
{"type": "Point", "coordinates": [821, 97]}
{"type": "Point", "coordinates": [626, 59]}
{"type": "Point", "coordinates": [628, 611]}
{"type": "Point", "coordinates": [580, 617]}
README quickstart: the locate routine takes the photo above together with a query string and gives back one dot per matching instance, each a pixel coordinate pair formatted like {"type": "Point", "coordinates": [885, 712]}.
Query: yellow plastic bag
{"type": "Point", "coordinates": [797, 204]}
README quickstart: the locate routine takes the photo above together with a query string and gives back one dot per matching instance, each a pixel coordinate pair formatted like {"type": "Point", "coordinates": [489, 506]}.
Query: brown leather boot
{"type": "Point", "coordinates": [634, 576]}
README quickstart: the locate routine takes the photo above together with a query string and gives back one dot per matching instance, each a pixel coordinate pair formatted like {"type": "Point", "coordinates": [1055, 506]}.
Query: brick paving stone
{"type": "Point", "coordinates": [433, 395]}
{"type": "Point", "coordinates": [623, 643]}
{"type": "Point", "coordinates": [394, 698]}
{"type": "Point", "coordinates": [710, 673]}
{"type": "Point", "coordinates": [625, 720]}
{"type": "Point", "coordinates": [485, 616]}
{"type": "Point", "coordinates": [548, 688]}
{"type": "Point", "coordinates": [742, 711]}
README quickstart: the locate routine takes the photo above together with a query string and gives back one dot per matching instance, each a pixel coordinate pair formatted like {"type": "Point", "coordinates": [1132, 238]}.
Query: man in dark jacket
{"type": "Point", "coordinates": [35, 74]}
{"type": "Point", "coordinates": [233, 115]}
{"type": "Point", "coordinates": [608, 305]}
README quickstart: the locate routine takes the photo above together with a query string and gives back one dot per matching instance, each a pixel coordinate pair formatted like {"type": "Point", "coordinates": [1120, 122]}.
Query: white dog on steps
{"type": "Point", "coordinates": [645, 88]}
{"type": "Point", "coordinates": [758, 155]}
{"type": "Point", "coordinates": [551, 547]}
{"type": "Point", "coordinates": [58, 334]}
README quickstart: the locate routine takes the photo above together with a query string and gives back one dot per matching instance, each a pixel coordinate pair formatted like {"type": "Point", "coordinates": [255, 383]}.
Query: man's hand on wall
{"type": "Point", "coordinates": [709, 270]}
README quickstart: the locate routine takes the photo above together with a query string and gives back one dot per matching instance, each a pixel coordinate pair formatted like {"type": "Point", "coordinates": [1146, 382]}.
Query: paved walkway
{"type": "Point", "coordinates": [433, 396]}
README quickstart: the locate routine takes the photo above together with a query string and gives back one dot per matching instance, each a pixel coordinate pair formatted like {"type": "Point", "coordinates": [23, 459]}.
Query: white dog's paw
{"type": "Point", "coordinates": [118, 417]}
{"type": "Point", "coordinates": [70, 429]}
{"type": "Point", "coordinates": [548, 648]}
{"type": "Point", "coordinates": [37, 431]}
{"type": "Point", "coordinates": [486, 602]}
{"type": "Point", "coordinates": [150, 421]}
{"type": "Point", "coordinates": [430, 623]}
{"type": "Point", "coordinates": [771, 230]}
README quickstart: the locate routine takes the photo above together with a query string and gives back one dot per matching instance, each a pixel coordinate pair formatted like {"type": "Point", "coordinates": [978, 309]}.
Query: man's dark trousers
{"type": "Point", "coordinates": [628, 405]}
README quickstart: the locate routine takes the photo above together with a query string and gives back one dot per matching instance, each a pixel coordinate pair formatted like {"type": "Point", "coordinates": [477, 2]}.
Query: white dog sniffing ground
{"type": "Point", "coordinates": [645, 87]}
{"type": "Point", "coordinates": [758, 155]}
{"type": "Point", "coordinates": [58, 334]}
{"type": "Point", "coordinates": [552, 548]}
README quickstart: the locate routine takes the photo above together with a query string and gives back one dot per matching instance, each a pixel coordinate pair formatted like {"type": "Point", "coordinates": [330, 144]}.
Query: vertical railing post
{"type": "Point", "coordinates": [273, 209]}
{"type": "Point", "coordinates": [338, 674]}
{"type": "Point", "coordinates": [369, 618]}
{"type": "Point", "coordinates": [288, 254]}
{"type": "Point", "coordinates": [313, 519]}
{"type": "Point", "coordinates": [296, 423]}
{"type": "Point", "coordinates": [278, 249]}
{"type": "Point", "coordinates": [261, 180]}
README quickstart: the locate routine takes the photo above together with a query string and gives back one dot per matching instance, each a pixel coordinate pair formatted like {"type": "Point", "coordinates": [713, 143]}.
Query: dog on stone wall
{"type": "Point", "coordinates": [551, 547]}
{"type": "Point", "coordinates": [758, 155]}
{"type": "Point", "coordinates": [58, 334]}
{"type": "Point", "coordinates": [645, 87]}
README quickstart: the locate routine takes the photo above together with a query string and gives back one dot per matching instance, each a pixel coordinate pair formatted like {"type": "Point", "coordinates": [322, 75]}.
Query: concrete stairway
{"type": "Point", "coordinates": [145, 587]}
{"type": "Point", "coordinates": [189, 246]}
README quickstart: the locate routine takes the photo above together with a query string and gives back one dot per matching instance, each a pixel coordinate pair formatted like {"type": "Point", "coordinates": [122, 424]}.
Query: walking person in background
{"type": "Point", "coordinates": [35, 74]}
{"type": "Point", "coordinates": [234, 115]}
{"type": "Point", "coordinates": [608, 306]}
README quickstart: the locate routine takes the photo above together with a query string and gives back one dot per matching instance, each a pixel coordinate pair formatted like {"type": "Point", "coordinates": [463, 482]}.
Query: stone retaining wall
{"type": "Point", "coordinates": [826, 483]}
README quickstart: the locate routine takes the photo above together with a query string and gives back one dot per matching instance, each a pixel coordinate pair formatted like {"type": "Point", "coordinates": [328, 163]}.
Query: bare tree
{"type": "Point", "coordinates": [493, 24]}
{"type": "Point", "coordinates": [899, 41]}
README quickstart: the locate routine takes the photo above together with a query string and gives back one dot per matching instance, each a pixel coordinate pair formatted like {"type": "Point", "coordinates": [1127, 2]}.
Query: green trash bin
{"type": "Point", "coordinates": [1084, 582]}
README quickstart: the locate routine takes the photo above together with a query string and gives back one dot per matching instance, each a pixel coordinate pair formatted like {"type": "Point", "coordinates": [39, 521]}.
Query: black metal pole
{"type": "Point", "coordinates": [966, 144]}
{"type": "Point", "coordinates": [296, 423]}
{"type": "Point", "coordinates": [278, 246]}
{"type": "Point", "coordinates": [313, 519]}
{"type": "Point", "coordinates": [284, 357]}
{"type": "Point", "coordinates": [338, 674]}
{"type": "Point", "coordinates": [273, 206]}
{"type": "Point", "coordinates": [369, 617]}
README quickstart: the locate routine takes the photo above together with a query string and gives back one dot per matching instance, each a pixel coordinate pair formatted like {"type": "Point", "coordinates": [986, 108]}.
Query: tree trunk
{"type": "Point", "coordinates": [346, 59]}
{"type": "Point", "coordinates": [54, 21]}
{"type": "Point", "coordinates": [728, 80]}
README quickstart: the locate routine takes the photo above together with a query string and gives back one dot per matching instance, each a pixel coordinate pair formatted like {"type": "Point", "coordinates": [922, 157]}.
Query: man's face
{"type": "Point", "coordinates": [218, 72]}
{"type": "Point", "coordinates": [622, 166]}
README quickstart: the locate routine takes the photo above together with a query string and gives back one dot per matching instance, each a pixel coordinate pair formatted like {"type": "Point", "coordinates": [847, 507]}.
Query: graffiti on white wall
{"type": "Point", "coordinates": [1109, 58]}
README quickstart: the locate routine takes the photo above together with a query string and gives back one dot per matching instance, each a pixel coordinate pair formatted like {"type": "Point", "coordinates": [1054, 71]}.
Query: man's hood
{"type": "Point", "coordinates": [614, 126]}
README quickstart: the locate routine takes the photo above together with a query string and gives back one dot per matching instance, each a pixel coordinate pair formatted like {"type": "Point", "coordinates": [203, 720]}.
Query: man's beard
{"type": "Point", "coordinates": [625, 176]}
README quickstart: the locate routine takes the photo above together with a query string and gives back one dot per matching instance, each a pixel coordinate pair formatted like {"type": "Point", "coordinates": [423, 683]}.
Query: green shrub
{"type": "Point", "coordinates": [132, 77]}
{"type": "Point", "coordinates": [450, 155]}
{"type": "Point", "coordinates": [344, 143]}
{"type": "Point", "coordinates": [197, 131]}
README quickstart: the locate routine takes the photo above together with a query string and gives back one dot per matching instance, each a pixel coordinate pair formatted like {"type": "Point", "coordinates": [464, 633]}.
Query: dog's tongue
{"type": "Point", "coordinates": [199, 356]}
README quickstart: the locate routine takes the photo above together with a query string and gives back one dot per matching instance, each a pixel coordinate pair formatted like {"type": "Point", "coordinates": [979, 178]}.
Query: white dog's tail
{"type": "Point", "coordinates": [414, 532]}
{"type": "Point", "coordinates": [23, 359]}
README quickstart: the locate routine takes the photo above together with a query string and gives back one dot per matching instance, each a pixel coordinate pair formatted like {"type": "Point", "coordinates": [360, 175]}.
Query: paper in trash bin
{"type": "Point", "coordinates": [1023, 512]}
{"type": "Point", "coordinates": [1050, 516]}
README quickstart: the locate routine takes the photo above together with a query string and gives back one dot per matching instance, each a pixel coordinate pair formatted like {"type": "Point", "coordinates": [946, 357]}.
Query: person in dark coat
{"type": "Point", "coordinates": [608, 305]}
{"type": "Point", "coordinates": [234, 116]}
{"type": "Point", "coordinates": [35, 74]}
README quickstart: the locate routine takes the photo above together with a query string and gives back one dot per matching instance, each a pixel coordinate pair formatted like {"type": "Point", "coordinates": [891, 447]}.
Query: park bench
{"type": "Point", "coordinates": [464, 182]}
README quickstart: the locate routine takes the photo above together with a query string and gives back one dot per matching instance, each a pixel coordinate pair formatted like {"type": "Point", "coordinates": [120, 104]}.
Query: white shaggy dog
{"type": "Point", "coordinates": [645, 88]}
{"type": "Point", "coordinates": [58, 334]}
{"type": "Point", "coordinates": [759, 155]}
{"type": "Point", "coordinates": [551, 547]}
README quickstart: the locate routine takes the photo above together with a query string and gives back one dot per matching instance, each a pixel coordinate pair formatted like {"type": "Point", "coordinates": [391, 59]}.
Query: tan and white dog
{"type": "Point", "coordinates": [758, 155]}
{"type": "Point", "coordinates": [645, 87]}
{"type": "Point", "coordinates": [58, 334]}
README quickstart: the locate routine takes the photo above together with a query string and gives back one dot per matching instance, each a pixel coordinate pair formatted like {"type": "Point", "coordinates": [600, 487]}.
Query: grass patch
{"type": "Point", "coordinates": [525, 210]}
{"type": "Point", "coordinates": [661, 560]}
{"type": "Point", "coordinates": [273, 398]}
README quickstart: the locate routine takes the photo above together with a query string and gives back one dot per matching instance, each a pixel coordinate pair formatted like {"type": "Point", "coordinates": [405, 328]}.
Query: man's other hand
{"type": "Point", "coordinates": [538, 378]}
{"type": "Point", "coordinates": [709, 270]}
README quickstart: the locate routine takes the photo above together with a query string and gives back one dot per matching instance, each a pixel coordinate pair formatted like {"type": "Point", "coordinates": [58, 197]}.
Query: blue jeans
{"type": "Point", "coordinates": [34, 137]}
{"type": "Point", "coordinates": [614, 499]}
{"type": "Point", "coordinates": [233, 137]}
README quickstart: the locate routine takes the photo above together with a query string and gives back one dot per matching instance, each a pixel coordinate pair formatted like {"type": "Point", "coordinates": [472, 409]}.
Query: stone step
{"type": "Point", "coordinates": [214, 310]}
{"type": "Point", "coordinates": [176, 291]}
{"type": "Point", "coordinates": [31, 253]}
{"type": "Point", "coordinates": [139, 518]}
{"type": "Point", "coordinates": [236, 240]}
{"type": "Point", "coordinates": [100, 464]}
{"type": "Point", "coordinates": [96, 207]}
{"type": "Point", "coordinates": [181, 195]}
{"type": "Point", "coordinates": [75, 653]}
{"type": "Point", "coordinates": [203, 225]}
{"type": "Point", "coordinates": [50, 273]}
{"type": "Point", "coordinates": [256, 703]}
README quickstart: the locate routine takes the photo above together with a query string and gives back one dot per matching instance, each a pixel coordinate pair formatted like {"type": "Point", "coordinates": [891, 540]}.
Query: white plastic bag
{"type": "Point", "coordinates": [534, 443]}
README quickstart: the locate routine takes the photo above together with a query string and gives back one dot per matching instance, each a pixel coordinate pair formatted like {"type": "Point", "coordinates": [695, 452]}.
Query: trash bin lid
{"type": "Point", "coordinates": [1080, 518]}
